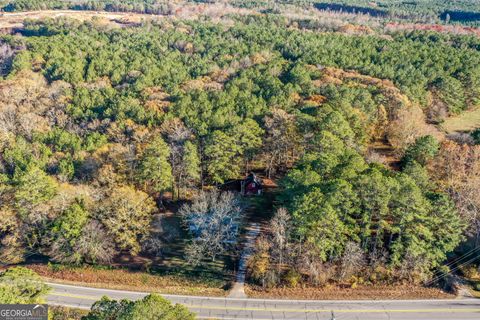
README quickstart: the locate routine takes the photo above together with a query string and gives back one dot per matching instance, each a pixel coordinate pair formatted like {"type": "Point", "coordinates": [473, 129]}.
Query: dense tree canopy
{"type": "Point", "coordinates": [21, 286]}
{"type": "Point", "coordinates": [464, 11]}
{"type": "Point", "coordinates": [152, 307]}
{"type": "Point", "coordinates": [368, 205]}
{"type": "Point", "coordinates": [99, 125]}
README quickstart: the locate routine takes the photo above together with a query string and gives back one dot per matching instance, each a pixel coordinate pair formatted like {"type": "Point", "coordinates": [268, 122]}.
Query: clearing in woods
{"type": "Point", "coordinates": [467, 121]}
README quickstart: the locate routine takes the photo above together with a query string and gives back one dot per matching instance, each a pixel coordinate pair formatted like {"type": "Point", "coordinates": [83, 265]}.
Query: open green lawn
{"type": "Point", "coordinates": [465, 122]}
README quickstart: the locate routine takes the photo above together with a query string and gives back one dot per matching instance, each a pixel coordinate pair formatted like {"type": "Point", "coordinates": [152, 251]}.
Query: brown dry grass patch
{"type": "Point", "coordinates": [122, 279]}
{"type": "Point", "coordinates": [377, 292]}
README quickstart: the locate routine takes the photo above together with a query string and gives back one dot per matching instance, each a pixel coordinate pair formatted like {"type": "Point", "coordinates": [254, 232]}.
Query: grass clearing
{"type": "Point", "coordinates": [186, 283]}
{"type": "Point", "coordinates": [467, 121]}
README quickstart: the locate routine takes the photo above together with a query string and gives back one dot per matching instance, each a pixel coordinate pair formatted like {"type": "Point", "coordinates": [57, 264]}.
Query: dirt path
{"type": "Point", "coordinates": [238, 291]}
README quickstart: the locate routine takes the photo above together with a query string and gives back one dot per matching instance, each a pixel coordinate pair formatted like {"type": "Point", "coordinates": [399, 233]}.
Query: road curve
{"type": "Point", "coordinates": [266, 309]}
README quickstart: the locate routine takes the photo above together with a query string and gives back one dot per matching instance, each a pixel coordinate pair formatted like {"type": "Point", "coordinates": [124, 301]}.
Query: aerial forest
{"type": "Point", "coordinates": [104, 128]}
{"type": "Point", "coordinates": [437, 11]}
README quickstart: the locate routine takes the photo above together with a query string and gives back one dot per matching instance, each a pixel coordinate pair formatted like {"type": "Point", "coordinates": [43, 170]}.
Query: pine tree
{"type": "Point", "coordinates": [154, 168]}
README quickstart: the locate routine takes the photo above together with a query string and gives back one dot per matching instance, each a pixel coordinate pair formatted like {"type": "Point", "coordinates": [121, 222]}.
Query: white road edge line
{"type": "Point", "coordinates": [261, 300]}
{"type": "Point", "coordinates": [96, 289]}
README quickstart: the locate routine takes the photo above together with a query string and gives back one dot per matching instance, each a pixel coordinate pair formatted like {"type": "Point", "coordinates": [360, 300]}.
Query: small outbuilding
{"type": "Point", "coordinates": [252, 185]}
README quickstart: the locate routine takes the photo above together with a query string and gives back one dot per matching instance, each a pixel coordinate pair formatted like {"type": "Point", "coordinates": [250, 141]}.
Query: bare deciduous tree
{"type": "Point", "coordinates": [213, 218]}
{"type": "Point", "coordinates": [409, 124]}
{"type": "Point", "coordinates": [94, 245]}
{"type": "Point", "coordinates": [414, 269]}
{"type": "Point", "coordinates": [12, 249]}
{"type": "Point", "coordinates": [259, 263]}
{"type": "Point", "coordinates": [310, 263]}
{"type": "Point", "coordinates": [282, 140]}
{"type": "Point", "coordinates": [280, 233]}
{"type": "Point", "coordinates": [6, 58]}
{"type": "Point", "coordinates": [126, 214]}
{"type": "Point", "coordinates": [352, 260]}
{"type": "Point", "coordinates": [457, 168]}
{"type": "Point", "coordinates": [28, 103]}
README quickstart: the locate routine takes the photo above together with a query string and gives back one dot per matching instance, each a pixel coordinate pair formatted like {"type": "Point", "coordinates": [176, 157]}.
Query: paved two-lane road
{"type": "Point", "coordinates": [263, 309]}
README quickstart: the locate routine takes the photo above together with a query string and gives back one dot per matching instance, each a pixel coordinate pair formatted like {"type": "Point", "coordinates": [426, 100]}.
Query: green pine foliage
{"type": "Point", "coordinates": [374, 208]}
{"type": "Point", "coordinates": [463, 11]}
{"type": "Point", "coordinates": [103, 123]}
{"type": "Point", "coordinates": [422, 151]}
{"type": "Point", "coordinates": [154, 168]}
{"type": "Point", "coordinates": [21, 286]}
{"type": "Point", "coordinates": [152, 307]}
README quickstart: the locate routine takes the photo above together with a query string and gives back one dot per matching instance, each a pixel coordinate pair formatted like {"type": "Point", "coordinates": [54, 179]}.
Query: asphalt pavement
{"type": "Point", "coordinates": [268, 309]}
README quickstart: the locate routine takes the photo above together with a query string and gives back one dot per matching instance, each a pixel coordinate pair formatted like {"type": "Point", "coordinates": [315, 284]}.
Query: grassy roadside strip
{"type": "Point", "coordinates": [362, 292]}
{"type": "Point", "coordinates": [122, 279]}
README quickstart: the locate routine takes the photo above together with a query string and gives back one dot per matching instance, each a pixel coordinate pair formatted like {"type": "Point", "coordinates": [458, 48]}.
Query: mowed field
{"type": "Point", "coordinates": [467, 121]}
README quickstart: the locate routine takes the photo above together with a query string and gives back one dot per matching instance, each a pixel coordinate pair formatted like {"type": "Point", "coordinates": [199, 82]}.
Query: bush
{"type": "Point", "coordinates": [322, 275]}
{"type": "Point", "coordinates": [61, 313]}
{"type": "Point", "coordinates": [380, 274]}
{"type": "Point", "coordinates": [271, 279]}
{"type": "Point", "coordinates": [55, 267]}
{"type": "Point", "coordinates": [92, 245]}
{"type": "Point", "coordinates": [352, 261]}
{"type": "Point", "coordinates": [292, 278]}
{"type": "Point", "coordinates": [21, 285]}
{"type": "Point", "coordinates": [152, 307]}
{"type": "Point", "coordinates": [476, 287]}
{"type": "Point", "coordinates": [421, 151]}
{"type": "Point", "coordinates": [471, 272]}
{"type": "Point", "coordinates": [476, 136]}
